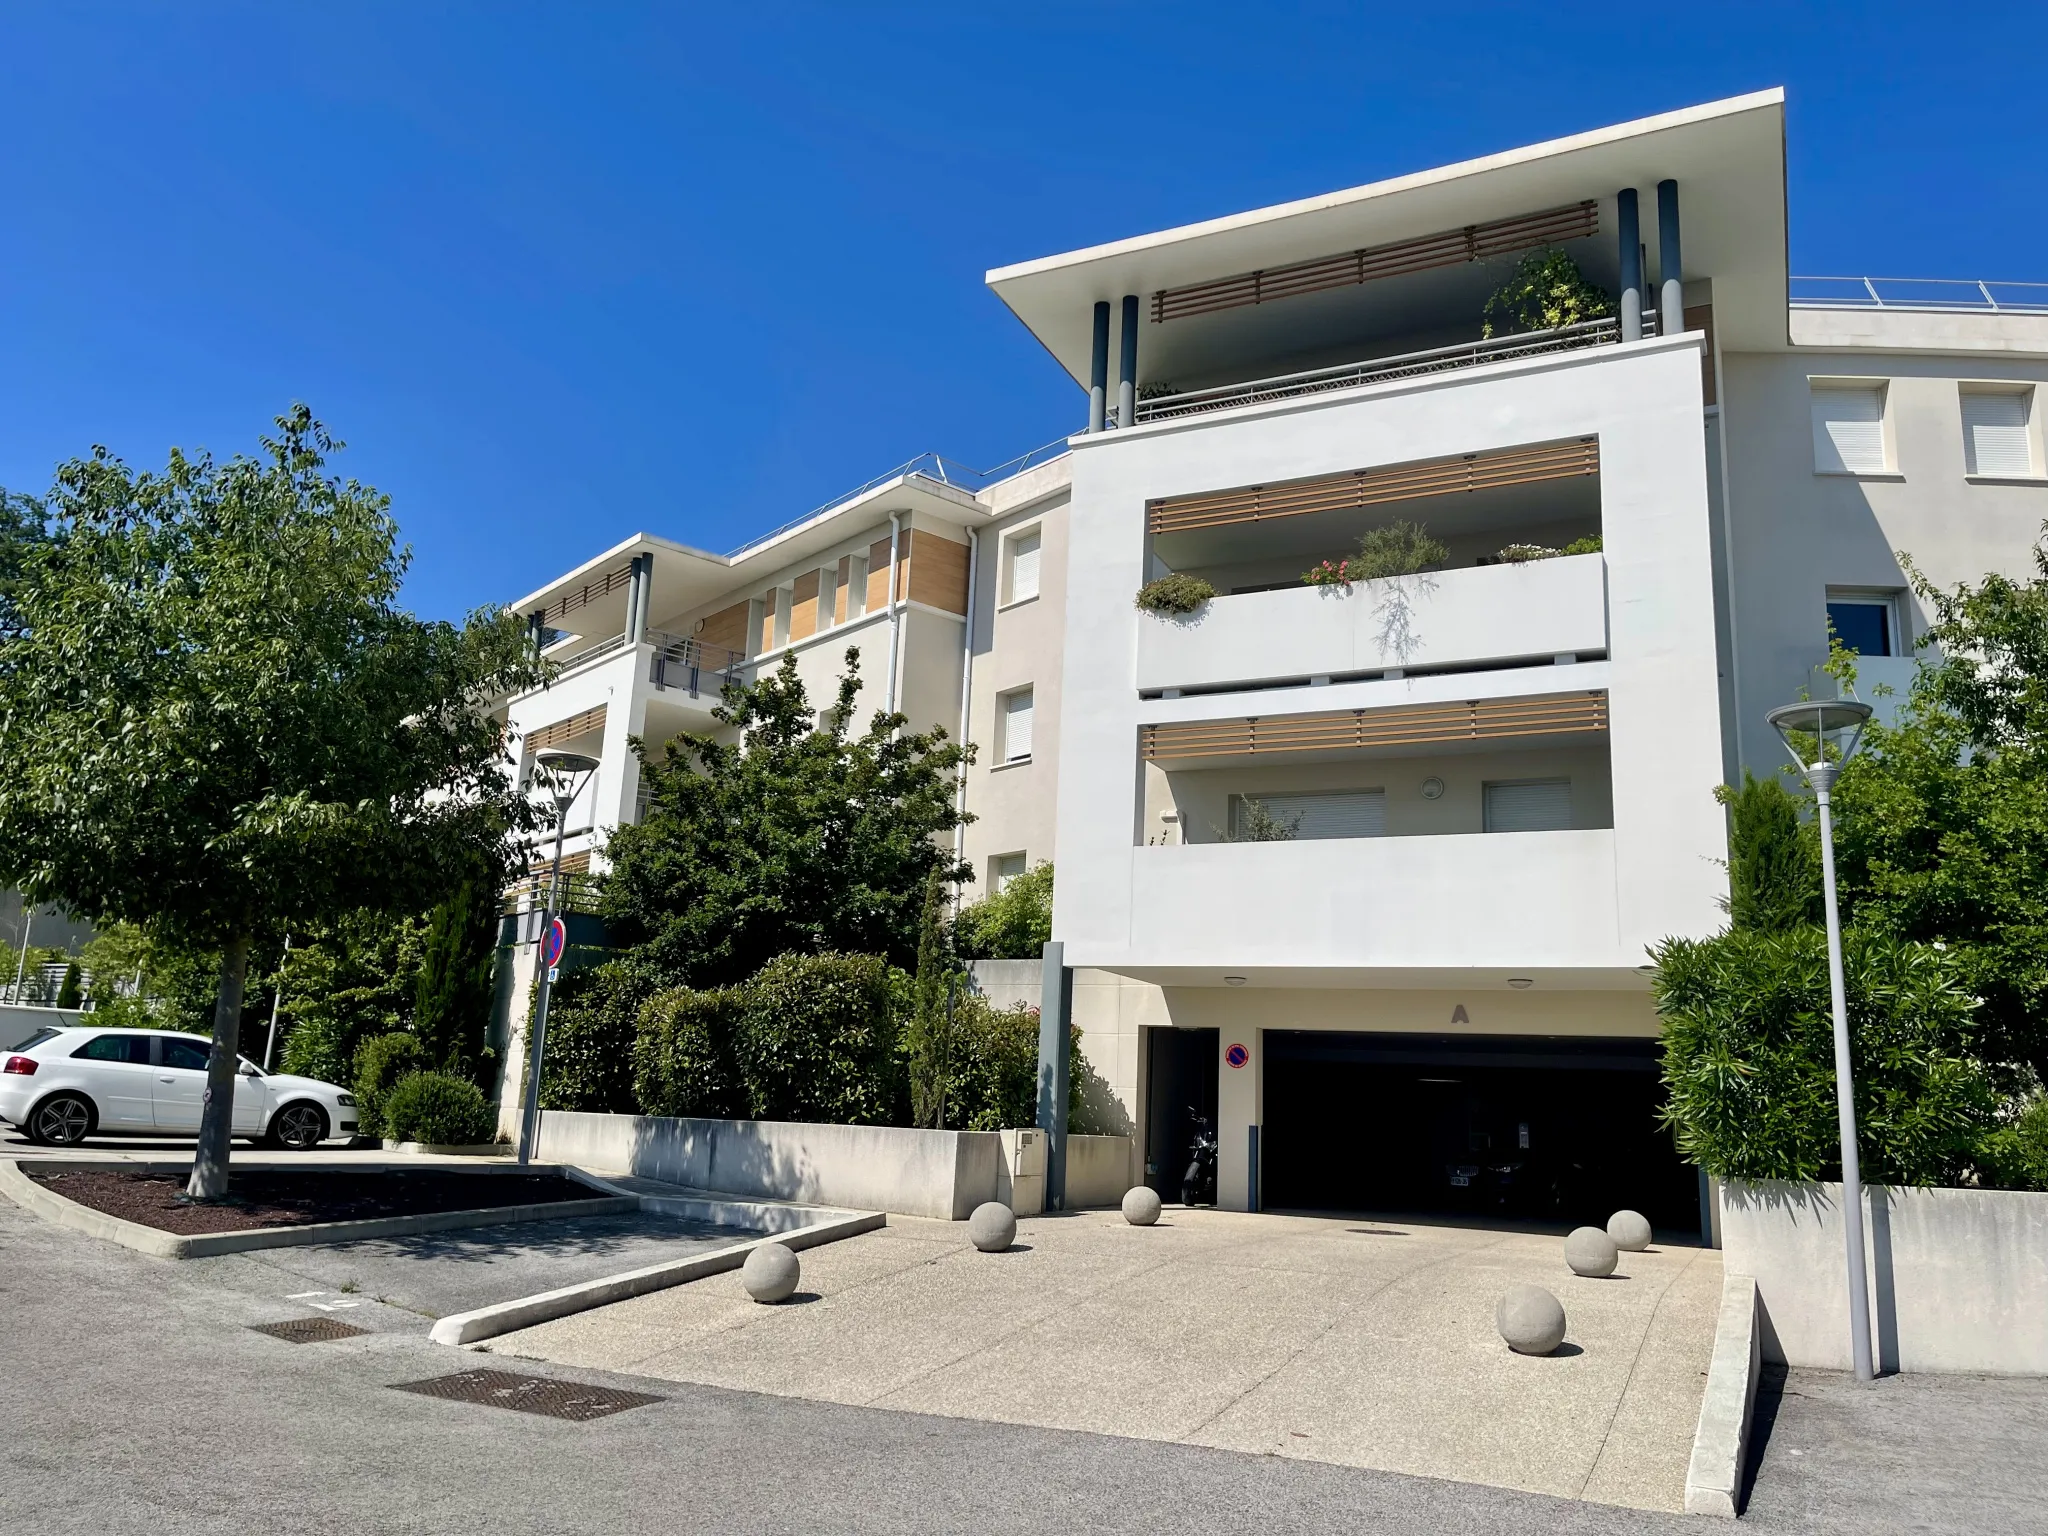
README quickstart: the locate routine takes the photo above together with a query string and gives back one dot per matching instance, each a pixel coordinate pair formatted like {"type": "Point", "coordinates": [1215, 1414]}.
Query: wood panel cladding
{"type": "Point", "coordinates": [878, 575]}
{"type": "Point", "coordinates": [727, 628]}
{"type": "Point", "coordinates": [1409, 726]}
{"type": "Point", "coordinates": [1371, 487]}
{"type": "Point", "coordinates": [561, 731]}
{"type": "Point", "coordinates": [803, 607]}
{"type": "Point", "coordinates": [938, 572]}
{"type": "Point", "coordinates": [767, 636]}
{"type": "Point", "coordinates": [542, 866]}
{"type": "Point", "coordinates": [840, 595]}
{"type": "Point", "coordinates": [1446, 248]}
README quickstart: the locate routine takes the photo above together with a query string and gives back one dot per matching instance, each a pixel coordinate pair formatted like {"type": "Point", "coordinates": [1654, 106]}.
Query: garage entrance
{"type": "Point", "coordinates": [1180, 1090]}
{"type": "Point", "coordinates": [1548, 1128]}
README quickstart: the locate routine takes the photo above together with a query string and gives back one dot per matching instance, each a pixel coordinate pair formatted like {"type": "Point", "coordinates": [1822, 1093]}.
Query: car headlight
{"type": "Point", "coordinates": [345, 1100]}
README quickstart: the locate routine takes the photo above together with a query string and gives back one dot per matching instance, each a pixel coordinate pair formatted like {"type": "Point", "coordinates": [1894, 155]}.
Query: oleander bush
{"type": "Point", "coordinates": [441, 1109]}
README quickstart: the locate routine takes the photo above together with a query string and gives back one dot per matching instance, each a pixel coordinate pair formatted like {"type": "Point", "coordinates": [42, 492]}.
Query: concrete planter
{"type": "Point", "coordinates": [1959, 1277]}
{"type": "Point", "coordinates": [941, 1174]}
{"type": "Point", "coordinates": [439, 1149]}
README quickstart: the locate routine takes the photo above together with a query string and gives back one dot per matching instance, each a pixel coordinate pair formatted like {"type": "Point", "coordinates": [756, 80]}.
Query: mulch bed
{"type": "Point", "coordinates": [268, 1199]}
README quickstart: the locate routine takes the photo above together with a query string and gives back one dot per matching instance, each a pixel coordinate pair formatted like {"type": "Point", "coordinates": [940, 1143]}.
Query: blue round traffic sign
{"type": "Point", "coordinates": [553, 943]}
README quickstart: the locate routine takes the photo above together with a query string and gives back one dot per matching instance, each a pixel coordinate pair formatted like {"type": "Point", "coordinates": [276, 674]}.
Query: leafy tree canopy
{"type": "Point", "coordinates": [798, 837]}
{"type": "Point", "coordinates": [215, 718]}
{"type": "Point", "coordinates": [1014, 923]}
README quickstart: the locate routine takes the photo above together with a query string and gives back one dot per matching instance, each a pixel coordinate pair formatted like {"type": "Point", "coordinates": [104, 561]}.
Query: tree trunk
{"type": "Point", "coordinates": [217, 1119]}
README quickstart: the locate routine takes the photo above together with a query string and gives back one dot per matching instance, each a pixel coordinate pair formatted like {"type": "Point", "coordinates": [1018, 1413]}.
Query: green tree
{"type": "Point", "coordinates": [344, 982]}
{"type": "Point", "coordinates": [798, 837]}
{"type": "Point", "coordinates": [458, 962]}
{"type": "Point", "coordinates": [218, 722]}
{"type": "Point", "coordinates": [1014, 923]}
{"type": "Point", "coordinates": [1546, 290]}
{"type": "Point", "coordinates": [1773, 860]}
{"type": "Point", "coordinates": [930, 1020]}
{"type": "Point", "coordinates": [69, 992]}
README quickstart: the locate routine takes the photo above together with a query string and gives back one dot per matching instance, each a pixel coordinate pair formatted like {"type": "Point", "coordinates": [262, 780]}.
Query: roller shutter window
{"type": "Point", "coordinates": [1848, 429]}
{"type": "Point", "coordinates": [1004, 868]}
{"type": "Point", "coordinates": [1996, 441]}
{"type": "Point", "coordinates": [1319, 814]}
{"type": "Point", "coordinates": [1017, 726]}
{"type": "Point", "coordinates": [1531, 805]}
{"type": "Point", "coordinates": [1023, 567]}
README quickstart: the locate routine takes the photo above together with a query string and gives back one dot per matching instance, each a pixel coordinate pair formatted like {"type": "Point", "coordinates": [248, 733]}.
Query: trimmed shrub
{"type": "Point", "coordinates": [436, 1107]}
{"type": "Point", "coordinates": [1011, 924]}
{"type": "Point", "coordinates": [593, 1020]}
{"type": "Point", "coordinates": [994, 1068]}
{"type": "Point", "coordinates": [683, 1056]}
{"type": "Point", "coordinates": [2015, 1156]}
{"type": "Point", "coordinates": [1175, 594]}
{"type": "Point", "coordinates": [381, 1062]}
{"type": "Point", "coordinates": [817, 1040]}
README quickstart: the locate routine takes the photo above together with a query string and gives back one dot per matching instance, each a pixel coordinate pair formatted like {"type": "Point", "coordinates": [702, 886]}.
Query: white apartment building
{"type": "Point", "coordinates": [1497, 776]}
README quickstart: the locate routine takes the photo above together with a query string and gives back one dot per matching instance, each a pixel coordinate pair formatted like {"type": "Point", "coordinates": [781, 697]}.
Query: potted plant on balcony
{"type": "Point", "coordinates": [1545, 292]}
{"type": "Point", "coordinates": [1175, 594]}
{"type": "Point", "coordinates": [1399, 549]}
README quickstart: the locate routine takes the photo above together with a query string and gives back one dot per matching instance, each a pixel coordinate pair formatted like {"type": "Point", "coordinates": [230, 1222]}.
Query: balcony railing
{"type": "Point", "coordinates": [1380, 370]}
{"type": "Point", "coordinates": [529, 893]}
{"type": "Point", "coordinates": [1948, 295]}
{"type": "Point", "coordinates": [589, 652]}
{"type": "Point", "coordinates": [681, 661]}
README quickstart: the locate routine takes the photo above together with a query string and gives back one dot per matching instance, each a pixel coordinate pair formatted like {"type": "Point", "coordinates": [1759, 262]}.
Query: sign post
{"type": "Point", "coordinates": [568, 770]}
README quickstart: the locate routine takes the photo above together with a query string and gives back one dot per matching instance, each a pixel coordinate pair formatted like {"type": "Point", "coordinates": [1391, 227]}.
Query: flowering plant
{"type": "Point", "coordinates": [1332, 573]}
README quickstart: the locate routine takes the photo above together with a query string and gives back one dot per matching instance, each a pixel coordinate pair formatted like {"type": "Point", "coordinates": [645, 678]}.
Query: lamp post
{"type": "Point", "coordinates": [1836, 724]}
{"type": "Point", "coordinates": [566, 773]}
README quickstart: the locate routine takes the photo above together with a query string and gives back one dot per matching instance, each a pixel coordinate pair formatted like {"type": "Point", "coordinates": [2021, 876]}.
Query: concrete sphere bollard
{"type": "Point", "coordinates": [1630, 1231]}
{"type": "Point", "coordinates": [770, 1273]}
{"type": "Point", "coordinates": [992, 1227]}
{"type": "Point", "coordinates": [1591, 1252]}
{"type": "Point", "coordinates": [1141, 1206]}
{"type": "Point", "coordinates": [1530, 1320]}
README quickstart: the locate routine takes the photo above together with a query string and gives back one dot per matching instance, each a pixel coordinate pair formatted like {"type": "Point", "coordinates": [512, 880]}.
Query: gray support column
{"type": "Point", "coordinates": [645, 586]}
{"type": "Point", "coordinates": [1631, 238]}
{"type": "Point", "coordinates": [633, 600]}
{"type": "Point", "coordinates": [1670, 264]}
{"type": "Point", "coordinates": [1056, 1004]}
{"type": "Point", "coordinates": [1127, 366]}
{"type": "Point", "coordinates": [1098, 369]}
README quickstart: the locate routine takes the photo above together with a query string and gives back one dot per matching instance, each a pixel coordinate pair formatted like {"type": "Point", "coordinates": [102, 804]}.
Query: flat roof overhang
{"type": "Point", "coordinates": [687, 578]}
{"type": "Point", "coordinates": [1728, 158]}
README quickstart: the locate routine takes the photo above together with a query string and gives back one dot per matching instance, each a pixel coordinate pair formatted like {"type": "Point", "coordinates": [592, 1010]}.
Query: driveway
{"type": "Point", "coordinates": [1363, 1343]}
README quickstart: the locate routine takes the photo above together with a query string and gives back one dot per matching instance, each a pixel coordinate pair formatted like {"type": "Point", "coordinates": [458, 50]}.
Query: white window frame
{"type": "Point", "coordinates": [1004, 702]}
{"type": "Point", "coordinates": [1887, 598]}
{"type": "Point", "coordinates": [1816, 387]}
{"type": "Point", "coordinates": [2031, 429]}
{"type": "Point", "coordinates": [1012, 537]}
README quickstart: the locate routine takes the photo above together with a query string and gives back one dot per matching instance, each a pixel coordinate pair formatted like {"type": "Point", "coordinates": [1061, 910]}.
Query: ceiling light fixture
{"type": "Point", "coordinates": [1521, 983]}
{"type": "Point", "coordinates": [1233, 981]}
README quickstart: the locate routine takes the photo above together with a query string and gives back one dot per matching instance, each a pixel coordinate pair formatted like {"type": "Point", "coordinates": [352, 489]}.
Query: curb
{"type": "Point", "coordinates": [448, 1149]}
{"type": "Point", "coordinates": [54, 1207]}
{"type": "Point", "coordinates": [507, 1316]}
{"type": "Point", "coordinates": [1720, 1446]}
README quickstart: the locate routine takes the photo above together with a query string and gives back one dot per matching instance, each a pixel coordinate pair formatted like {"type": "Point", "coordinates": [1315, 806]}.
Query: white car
{"type": "Point", "coordinates": [63, 1085]}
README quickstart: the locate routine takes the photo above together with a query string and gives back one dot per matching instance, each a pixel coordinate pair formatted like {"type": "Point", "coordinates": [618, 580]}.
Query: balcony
{"type": "Point", "coordinates": [1463, 618]}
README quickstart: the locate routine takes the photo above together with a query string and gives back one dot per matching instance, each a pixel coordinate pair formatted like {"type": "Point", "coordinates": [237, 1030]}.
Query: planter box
{"type": "Point", "coordinates": [941, 1174]}
{"type": "Point", "coordinates": [440, 1149]}
{"type": "Point", "coordinates": [1958, 1277]}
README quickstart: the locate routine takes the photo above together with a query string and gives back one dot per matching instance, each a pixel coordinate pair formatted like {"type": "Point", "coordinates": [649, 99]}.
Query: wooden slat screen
{"type": "Point", "coordinates": [543, 866]}
{"type": "Point", "coordinates": [567, 730]}
{"type": "Point", "coordinates": [589, 592]}
{"type": "Point", "coordinates": [1417, 725]}
{"type": "Point", "coordinates": [1370, 487]}
{"type": "Point", "coordinates": [1448, 248]}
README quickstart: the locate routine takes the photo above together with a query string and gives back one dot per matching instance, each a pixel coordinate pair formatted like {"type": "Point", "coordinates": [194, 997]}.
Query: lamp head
{"type": "Point", "coordinates": [1821, 735]}
{"type": "Point", "coordinates": [566, 771]}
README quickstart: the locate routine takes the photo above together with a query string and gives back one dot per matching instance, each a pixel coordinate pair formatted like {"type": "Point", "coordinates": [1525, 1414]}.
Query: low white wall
{"type": "Point", "coordinates": [20, 1020]}
{"type": "Point", "coordinates": [940, 1174]}
{"type": "Point", "coordinates": [1958, 1277]}
{"type": "Point", "coordinates": [1006, 983]}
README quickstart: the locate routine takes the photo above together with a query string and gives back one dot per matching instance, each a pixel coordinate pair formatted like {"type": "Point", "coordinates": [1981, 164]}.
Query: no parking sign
{"type": "Point", "coordinates": [1237, 1055]}
{"type": "Point", "coordinates": [553, 942]}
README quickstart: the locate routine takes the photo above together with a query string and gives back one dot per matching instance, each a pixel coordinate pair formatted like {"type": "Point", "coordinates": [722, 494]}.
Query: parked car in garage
{"type": "Point", "coordinates": [62, 1085]}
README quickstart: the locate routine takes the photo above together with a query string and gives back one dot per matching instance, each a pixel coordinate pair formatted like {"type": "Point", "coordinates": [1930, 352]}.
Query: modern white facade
{"type": "Point", "coordinates": [1497, 774]}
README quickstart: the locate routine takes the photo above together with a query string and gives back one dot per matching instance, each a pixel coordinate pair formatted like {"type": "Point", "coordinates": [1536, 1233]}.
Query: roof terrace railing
{"type": "Point", "coordinates": [1377, 370]}
{"type": "Point", "coordinates": [1941, 294]}
{"type": "Point", "coordinates": [683, 661]}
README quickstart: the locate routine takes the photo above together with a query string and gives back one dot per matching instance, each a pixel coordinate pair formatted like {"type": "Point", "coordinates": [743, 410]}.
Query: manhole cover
{"type": "Point", "coordinates": [529, 1394]}
{"type": "Point", "coordinates": [308, 1330]}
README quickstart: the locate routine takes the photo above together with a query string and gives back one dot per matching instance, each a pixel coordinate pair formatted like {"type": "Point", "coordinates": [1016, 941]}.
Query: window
{"type": "Point", "coordinates": [133, 1049]}
{"type": "Point", "coordinates": [1848, 429]}
{"type": "Point", "coordinates": [187, 1054]}
{"type": "Point", "coordinates": [1023, 581]}
{"type": "Point", "coordinates": [1865, 622]}
{"type": "Point", "coordinates": [1002, 869]}
{"type": "Point", "coordinates": [1314, 814]}
{"type": "Point", "coordinates": [1529, 805]}
{"type": "Point", "coordinates": [1997, 440]}
{"type": "Point", "coordinates": [1017, 726]}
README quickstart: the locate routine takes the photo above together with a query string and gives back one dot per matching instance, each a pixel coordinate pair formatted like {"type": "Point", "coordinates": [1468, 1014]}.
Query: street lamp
{"type": "Point", "coordinates": [1832, 729]}
{"type": "Point", "coordinates": [566, 773]}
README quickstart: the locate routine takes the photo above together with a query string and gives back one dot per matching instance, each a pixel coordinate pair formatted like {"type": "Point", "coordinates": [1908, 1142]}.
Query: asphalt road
{"type": "Point", "coordinates": [141, 1402]}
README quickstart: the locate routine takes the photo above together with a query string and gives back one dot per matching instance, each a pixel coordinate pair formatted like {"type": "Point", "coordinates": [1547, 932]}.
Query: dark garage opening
{"type": "Point", "coordinates": [1544, 1129]}
{"type": "Point", "coordinates": [1180, 1080]}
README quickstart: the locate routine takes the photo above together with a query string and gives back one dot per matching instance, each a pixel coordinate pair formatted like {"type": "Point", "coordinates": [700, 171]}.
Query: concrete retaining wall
{"type": "Point", "coordinates": [20, 1020]}
{"type": "Point", "coordinates": [1958, 1277]}
{"type": "Point", "coordinates": [941, 1174]}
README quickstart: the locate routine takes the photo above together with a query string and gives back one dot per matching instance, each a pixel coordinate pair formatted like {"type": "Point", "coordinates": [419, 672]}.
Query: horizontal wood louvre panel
{"type": "Point", "coordinates": [1448, 248]}
{"type": "Point", "coordinates": [589, 592]}
{"type": "Point", "coordinates": [567, 730]}
{"type": "Point", "coordinates": [1371, 487]}
{"type": "Point", "coordinates": [572, 864]}
{"type": "Point", "coordinates": [1421, 725]}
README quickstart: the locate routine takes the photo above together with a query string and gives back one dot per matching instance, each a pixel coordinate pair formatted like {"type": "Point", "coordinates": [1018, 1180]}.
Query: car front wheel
{"type": "Point", "coordinates": [299, 1127]}
{"type": "Point", "coordinates": [61, 1120]}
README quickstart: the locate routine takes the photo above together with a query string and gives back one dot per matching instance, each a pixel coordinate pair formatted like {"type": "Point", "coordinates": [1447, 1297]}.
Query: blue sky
{"type": "Point", "coordinates": [561, 273]}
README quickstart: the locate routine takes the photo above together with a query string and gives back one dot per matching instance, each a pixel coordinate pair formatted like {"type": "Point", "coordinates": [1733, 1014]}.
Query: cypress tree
{"type": "Point", "coordinates": [1773, 862]}
{"type": "Point", "coordinates": [452, 1004]}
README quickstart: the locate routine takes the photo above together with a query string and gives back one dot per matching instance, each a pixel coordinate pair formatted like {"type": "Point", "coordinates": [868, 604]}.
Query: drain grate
{"type": "Point", "coordinates": [529, 1394]}
{"type": "Point", "coordinates": [308, 1330]}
